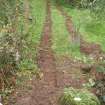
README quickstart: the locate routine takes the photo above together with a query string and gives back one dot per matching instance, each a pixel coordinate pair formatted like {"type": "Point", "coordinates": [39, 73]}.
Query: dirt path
{"type": "Point", "coordinates": [57, 72]}
{"type": "Point", "coordinates": [54, 79]}
{"type": "Point", "coordinates": [45, 90]}
{"type": "Point", "coordinates": [75, 37]}
{"type": "Point", "coordinates": [46, 60]}
{"type": "Point", "coordinates": [73, 75]}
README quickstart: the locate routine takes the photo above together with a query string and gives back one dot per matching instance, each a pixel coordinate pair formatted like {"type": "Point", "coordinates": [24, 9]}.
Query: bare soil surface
{"type": "Point", "coordinates": [93, 49]}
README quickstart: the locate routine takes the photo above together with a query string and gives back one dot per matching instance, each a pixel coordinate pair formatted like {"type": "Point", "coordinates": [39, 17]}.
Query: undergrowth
{"type": "Point", "coordinates": [73, 96]}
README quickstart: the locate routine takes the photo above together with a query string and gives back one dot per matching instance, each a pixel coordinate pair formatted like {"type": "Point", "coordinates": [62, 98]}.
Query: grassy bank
{"type": "Point", "coordinates": [83, 20]}
{"type": "Point", "coordinates": [61, 38]}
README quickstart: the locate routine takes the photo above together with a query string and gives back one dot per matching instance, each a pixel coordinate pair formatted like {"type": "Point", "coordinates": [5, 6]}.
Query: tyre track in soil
{"type": "Point", "coordinates": [46, 90]}
{"type": "Point", "coordinates": [92, 49]}
{"type": "Point", "coordinates": [71, 79]}
{"type": "Point", "coordinates": [69, 25]}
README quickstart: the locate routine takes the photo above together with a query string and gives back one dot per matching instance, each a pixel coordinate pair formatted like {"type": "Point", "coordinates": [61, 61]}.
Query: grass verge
{"type": "Point", "coordinates": [61, 37]}
{"type": "Point", "coordinates": [38, 12]}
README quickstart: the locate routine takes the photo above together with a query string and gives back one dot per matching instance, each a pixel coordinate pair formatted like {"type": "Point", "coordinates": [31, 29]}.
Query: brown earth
{"type": "Point", "coordinates": [90, 48]}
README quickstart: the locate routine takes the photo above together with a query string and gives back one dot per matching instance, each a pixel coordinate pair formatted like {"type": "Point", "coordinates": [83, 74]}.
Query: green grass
{"type": "Point", "coordinates": [92, 30]}
{"type": "Point", "coordinates": [95, 32]}
{"type": "Point", "coordinates": [61, 37]}
{"type": "Point", "coordinates": [38, 13]}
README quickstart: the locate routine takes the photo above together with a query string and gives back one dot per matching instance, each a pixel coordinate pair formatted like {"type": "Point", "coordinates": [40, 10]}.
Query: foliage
{"type": "Point", "coordinates": [8, 9]}
{"type": "Point", "coordinates": [73, 96]}
{"type": "Point", "coordinates": [98, 9]}
{"type": "Point", "coordinates": [100, 69]}
{"type": "Point", "coordinates": [100, 86]}
{"type": "Point", "coordinates": [27, 65]}
{"type": "Point", "coordinates": [70, 2]}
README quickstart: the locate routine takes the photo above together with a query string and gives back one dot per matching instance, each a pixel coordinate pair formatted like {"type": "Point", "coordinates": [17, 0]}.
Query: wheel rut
{"type": "Point", "coordinates": [71, 78]}
{"type": "Point", "coordinates": [45, 57]}
{"type": "Point", "coordinates": [87, 48]}
{"type": "Point", "coordinates": [75, 37]}
{"type": "Point", "coordinates": [47, 89]}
